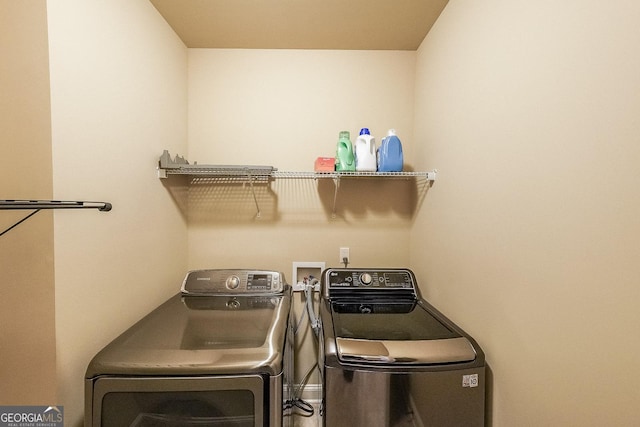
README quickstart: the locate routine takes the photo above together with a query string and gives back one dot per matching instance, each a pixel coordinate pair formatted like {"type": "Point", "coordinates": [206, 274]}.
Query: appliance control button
{"type": "Point", "coordinates": [233, 282]}
{"type": "Point", "coordinates": [366, 279]}
{"type": "Point", "coordinates": [233, 303]}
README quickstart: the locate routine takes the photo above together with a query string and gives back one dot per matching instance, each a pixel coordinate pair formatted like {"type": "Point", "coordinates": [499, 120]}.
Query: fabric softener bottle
{"type": "Point", "coordinates": [345, 160]}
{"type": "Point", "coordinates": [390, 153]}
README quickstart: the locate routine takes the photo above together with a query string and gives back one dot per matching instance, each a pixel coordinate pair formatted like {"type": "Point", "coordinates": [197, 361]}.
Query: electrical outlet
{"type": "Point", "coordinates": [344, 253]}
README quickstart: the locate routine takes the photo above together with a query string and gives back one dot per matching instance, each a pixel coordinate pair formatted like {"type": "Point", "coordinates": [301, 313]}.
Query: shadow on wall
{"type": "Point", "coordinates": [364, 197]}
{"type": "Point", "coordinates": [204, 200]}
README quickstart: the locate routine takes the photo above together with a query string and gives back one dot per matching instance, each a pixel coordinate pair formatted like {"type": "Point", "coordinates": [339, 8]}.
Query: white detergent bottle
{"type": "Point", "coordinates": [365, 152]}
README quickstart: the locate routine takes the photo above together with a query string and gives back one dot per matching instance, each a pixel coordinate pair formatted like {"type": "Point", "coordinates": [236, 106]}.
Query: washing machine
{"type": "Point", "coordinates": [390, 359]}
{"type": "Point", "coordinates": [218, 353]}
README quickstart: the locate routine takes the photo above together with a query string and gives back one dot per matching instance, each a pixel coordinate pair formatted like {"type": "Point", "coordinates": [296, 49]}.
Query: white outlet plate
{"type": "Point", "coordinates": [344, 253]}
{"type": "Point", "coordinates": [302, 269]}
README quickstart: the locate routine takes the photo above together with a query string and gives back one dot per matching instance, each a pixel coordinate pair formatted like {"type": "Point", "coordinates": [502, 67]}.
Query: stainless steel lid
{"type": "Point", "coordinates": [201, 335]}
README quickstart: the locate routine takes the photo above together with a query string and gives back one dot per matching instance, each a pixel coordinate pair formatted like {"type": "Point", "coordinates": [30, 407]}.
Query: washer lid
{"type": "Point", "coordinates": [395, 332]}
{"type": "Point", "coordinates": [389, 320]}
{"type": "Point", "coordinates": [453, 350]}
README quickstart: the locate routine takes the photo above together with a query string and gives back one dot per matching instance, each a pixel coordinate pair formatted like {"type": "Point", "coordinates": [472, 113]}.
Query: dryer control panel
{"type": "Point", "coordinates": [233, 281]}
{"type": "Point", "coordinates": [341, 281]}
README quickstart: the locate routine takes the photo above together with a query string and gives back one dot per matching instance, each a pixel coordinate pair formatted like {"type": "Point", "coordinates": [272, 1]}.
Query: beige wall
{"type": "Point", "coordinates": [118, 95]}
{"type": "Point", "coordinates": [529, 239]}
{"type": "Point", "coordinates": [285, 108]}
{"type": "Point", "coordinates": [27, 329]}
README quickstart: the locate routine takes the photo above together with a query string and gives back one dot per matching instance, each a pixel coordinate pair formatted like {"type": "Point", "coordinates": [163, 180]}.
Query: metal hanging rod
{"type": "Point", "coordinates": [38, 205]}
{"type": "Point", "coordinates": [53, 204]}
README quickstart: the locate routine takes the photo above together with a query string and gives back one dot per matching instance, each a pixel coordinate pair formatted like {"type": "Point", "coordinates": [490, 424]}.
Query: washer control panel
{"type": "Point", "coordinates": [233, 281]}
{"type": "Point", "coordinates": [340, 280]}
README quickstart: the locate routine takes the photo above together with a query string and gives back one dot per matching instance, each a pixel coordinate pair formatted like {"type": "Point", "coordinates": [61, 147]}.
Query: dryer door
{"type": "Point", "coordinates": [235, 401]}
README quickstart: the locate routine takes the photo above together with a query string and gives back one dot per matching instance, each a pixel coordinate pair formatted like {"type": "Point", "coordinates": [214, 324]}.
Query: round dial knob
{"type": "Point", "coordinates": [233, 282]}
{"type": "Point", "coordinates": [366, 279]}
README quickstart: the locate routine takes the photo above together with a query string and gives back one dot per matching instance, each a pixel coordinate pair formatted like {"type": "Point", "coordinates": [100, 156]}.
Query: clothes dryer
{"type": "Point", "coordinates": [219, 353]}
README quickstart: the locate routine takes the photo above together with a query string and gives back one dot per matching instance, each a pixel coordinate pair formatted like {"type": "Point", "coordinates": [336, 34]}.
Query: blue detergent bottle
{"type": "Point", "coordinates": [345, 160]}
{"type": "Point", "coordinates": [390, 153]}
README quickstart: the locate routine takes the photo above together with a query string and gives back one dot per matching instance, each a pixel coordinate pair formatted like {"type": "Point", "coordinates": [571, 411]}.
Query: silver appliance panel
{"type": "Point", "coordinates": [233, 282]}
{"type": "Point", "coordinates": [367, 282]}
{"type": "Point", "coordinates": [446, 398]}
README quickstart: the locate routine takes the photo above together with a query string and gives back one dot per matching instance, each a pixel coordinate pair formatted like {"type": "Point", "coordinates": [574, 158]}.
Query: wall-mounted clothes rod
{"type": "Point", "coordinates": [38, 205]}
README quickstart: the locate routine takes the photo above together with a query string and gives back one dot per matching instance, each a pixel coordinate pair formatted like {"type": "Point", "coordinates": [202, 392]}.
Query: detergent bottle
{"type": "Point", "coordinates": [390, 153]}
{"type": "Point", "coordinates": [345, 160]}
{"type": "Point", "coordinates": [365, 151]}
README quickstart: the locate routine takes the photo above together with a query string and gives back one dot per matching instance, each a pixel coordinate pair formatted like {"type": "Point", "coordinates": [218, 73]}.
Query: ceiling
{"type": "Point", "coordinates": [301, 24]}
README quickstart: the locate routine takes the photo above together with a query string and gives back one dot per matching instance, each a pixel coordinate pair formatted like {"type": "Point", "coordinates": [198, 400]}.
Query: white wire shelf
{"type": "Point", "coordinates": [260, 174]}
{"type": "Point", "coordinates": [431, 176]}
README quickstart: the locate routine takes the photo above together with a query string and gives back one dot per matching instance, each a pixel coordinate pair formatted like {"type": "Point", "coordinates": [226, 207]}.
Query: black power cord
{"type": "Point", "coordinates": [300, 404]}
